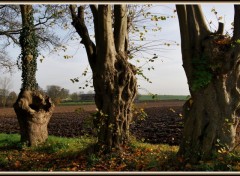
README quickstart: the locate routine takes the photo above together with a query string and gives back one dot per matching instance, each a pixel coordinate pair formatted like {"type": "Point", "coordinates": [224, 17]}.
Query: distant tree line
{"type": "Point", "coordinates": [7, 99]}
{"type": "Point", "coordinates": [55, 92]}
{"type": "Point", "coordinates": [59, 94]}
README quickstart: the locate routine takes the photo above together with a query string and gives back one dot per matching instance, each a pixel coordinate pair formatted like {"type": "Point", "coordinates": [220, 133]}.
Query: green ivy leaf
{"type": "Point", "coordinates": [238, 41]}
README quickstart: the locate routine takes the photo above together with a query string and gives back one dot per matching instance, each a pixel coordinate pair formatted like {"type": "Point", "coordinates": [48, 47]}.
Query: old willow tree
{"type": "Point", "coordinates": [33, 109]}
{"type": "Point", "coordinates": [211, 62]}
{"type": "Point", "coordinates": [114, 78]}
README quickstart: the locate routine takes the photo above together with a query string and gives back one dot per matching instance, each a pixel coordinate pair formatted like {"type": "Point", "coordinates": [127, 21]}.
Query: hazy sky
{"type": "Point", "coordinates": [167, 78]}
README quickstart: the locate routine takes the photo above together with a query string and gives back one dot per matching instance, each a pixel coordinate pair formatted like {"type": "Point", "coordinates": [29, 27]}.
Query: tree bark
{"type": "Point", "coordinates": [29, 53]}
{"type": "Point", "coordinates": [33, 108]}
{"type": "Point", "coordinates": [212, 68]}
{"type": "Point", "coordinates": [114, 78]}
{"type": "Point", "coordinates": [34, 111]}
{"type": "Point", "coordinates": [115, 92]}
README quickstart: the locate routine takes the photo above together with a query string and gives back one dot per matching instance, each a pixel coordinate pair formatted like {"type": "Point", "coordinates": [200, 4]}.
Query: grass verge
{"type": "Point", "coordinates": [76, 154]}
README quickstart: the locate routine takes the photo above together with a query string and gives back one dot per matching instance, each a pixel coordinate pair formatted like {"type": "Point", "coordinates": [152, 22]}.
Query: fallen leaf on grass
{"type": "Point", "coordinates": [17, 164]}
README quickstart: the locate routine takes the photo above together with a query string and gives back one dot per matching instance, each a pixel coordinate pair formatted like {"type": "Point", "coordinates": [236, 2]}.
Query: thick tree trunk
{"type": "Point", "coordinates": [210, 124]}
{"type": "Point", "coordinates": [33, 111]}
{"type": "Point", "coordinates": [114, 78]}
{"type": "Point", "coordinates": [211, 115]}
{"type": "Point", "coordinates": [211, 62]}
{"type": "Point", "coordinates": [115, 92]}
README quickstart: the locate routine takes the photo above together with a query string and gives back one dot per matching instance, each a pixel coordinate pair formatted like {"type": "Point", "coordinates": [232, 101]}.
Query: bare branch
{"type": "Point", "coordinates": [94, 9]}
{"type": "Point", "coordinates": [9, 35]}
{"type": "Point", "coordinates": [5, 63]}
{"type": "Point", "coordinates": [197, 28]}
{"type": "Point", "coordinates": [2, 6]}
{"type": "Point", "coordinates": [193, 28]}
{"type": "Point", "coordinates": [120, 27]}
{"type": "Point", "coordinates": [79, 24]}
{"type": "Point", "coordinates": [81, 13]}
{"type": "Point", "coordinates": [185, 39]}
{"type": "Point", "coordinates": [43, 22]}
{"type": "Point", "coordinates": [10, 32]}
{"type": "Point", "coordinates": [73, 11]}
{"type": "Point", "coordinates": [81, 28]}
{"type": "Point", "coordinates": [200, 20]}
{"type": "Point", "coordinates": [183, 24]}
{"type": "Point", "coordinates": [105, 31]}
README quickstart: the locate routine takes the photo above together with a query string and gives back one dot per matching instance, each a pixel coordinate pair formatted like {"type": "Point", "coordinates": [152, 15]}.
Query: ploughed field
{"type": "Point", "coordinates": [163, 123]}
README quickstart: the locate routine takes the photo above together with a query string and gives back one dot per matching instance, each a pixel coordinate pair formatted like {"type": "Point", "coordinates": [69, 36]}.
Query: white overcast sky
{"type": "Point", "coordinates": [168, 78]}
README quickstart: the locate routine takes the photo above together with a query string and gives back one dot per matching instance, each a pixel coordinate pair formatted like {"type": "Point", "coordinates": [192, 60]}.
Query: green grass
{"type": "Point", "coordinates": [65, 145]}
{"type": "Point", "coordinates": [77, 154]}
{"type": "Point", "coordinates": [9, 140]}
{"type": "Point", "coordinates": [60, 154]}
{"type": "Point", "coordinates": [162, 97]}
{"type": "Point", "coordinates": [141, 98]}
{"type": "Point", "coordinates": [53, 144]}
{"type": "Point", "coordinates": [76, 103]}
{"type": "Point", "coordinates": [55, 154]}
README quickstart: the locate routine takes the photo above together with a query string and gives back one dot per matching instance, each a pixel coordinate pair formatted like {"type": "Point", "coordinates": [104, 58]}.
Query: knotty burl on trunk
{"type": "Point", "coordinates": [114, 78]}
{"type": "Point", "coordinates": [34, 111]}
{"type": "Point", "coordinates": [211, 62]}
{"type": "Point", "coordinates": [32, 107]}
{"type": "Point", "coordinates": [115, 92]}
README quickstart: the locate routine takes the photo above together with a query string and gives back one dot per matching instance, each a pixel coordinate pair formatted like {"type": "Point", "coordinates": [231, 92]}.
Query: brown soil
{"type": "Point", "coordinates": [162, 125]}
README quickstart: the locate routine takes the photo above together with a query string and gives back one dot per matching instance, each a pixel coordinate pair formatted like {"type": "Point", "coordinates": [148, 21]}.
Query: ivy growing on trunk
{"type": "Point", "coordinates": [29, 53]}
{"type": "Point", "coordinates": [32, 107]}
{"type": "Point", "coordinates": [211, 65]}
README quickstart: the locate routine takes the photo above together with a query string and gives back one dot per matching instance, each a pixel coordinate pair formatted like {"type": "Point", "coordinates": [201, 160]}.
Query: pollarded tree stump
{"type": "Point", "coordinates": [34, 110]}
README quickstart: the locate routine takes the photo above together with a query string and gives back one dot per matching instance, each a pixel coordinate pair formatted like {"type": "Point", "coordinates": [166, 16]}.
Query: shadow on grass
{"type": "Point", "coordinates": [10, 146]}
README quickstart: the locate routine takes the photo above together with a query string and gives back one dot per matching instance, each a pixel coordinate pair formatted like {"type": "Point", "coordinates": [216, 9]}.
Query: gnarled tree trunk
{"type": "Point", "coordinates": [33, 109]}
{"type": "Point", "coordinates": [114, 78]}
{"type": "Point", "coordinates": [115, 89]}
{"type": "Point", "coordinates": [211, 63]}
